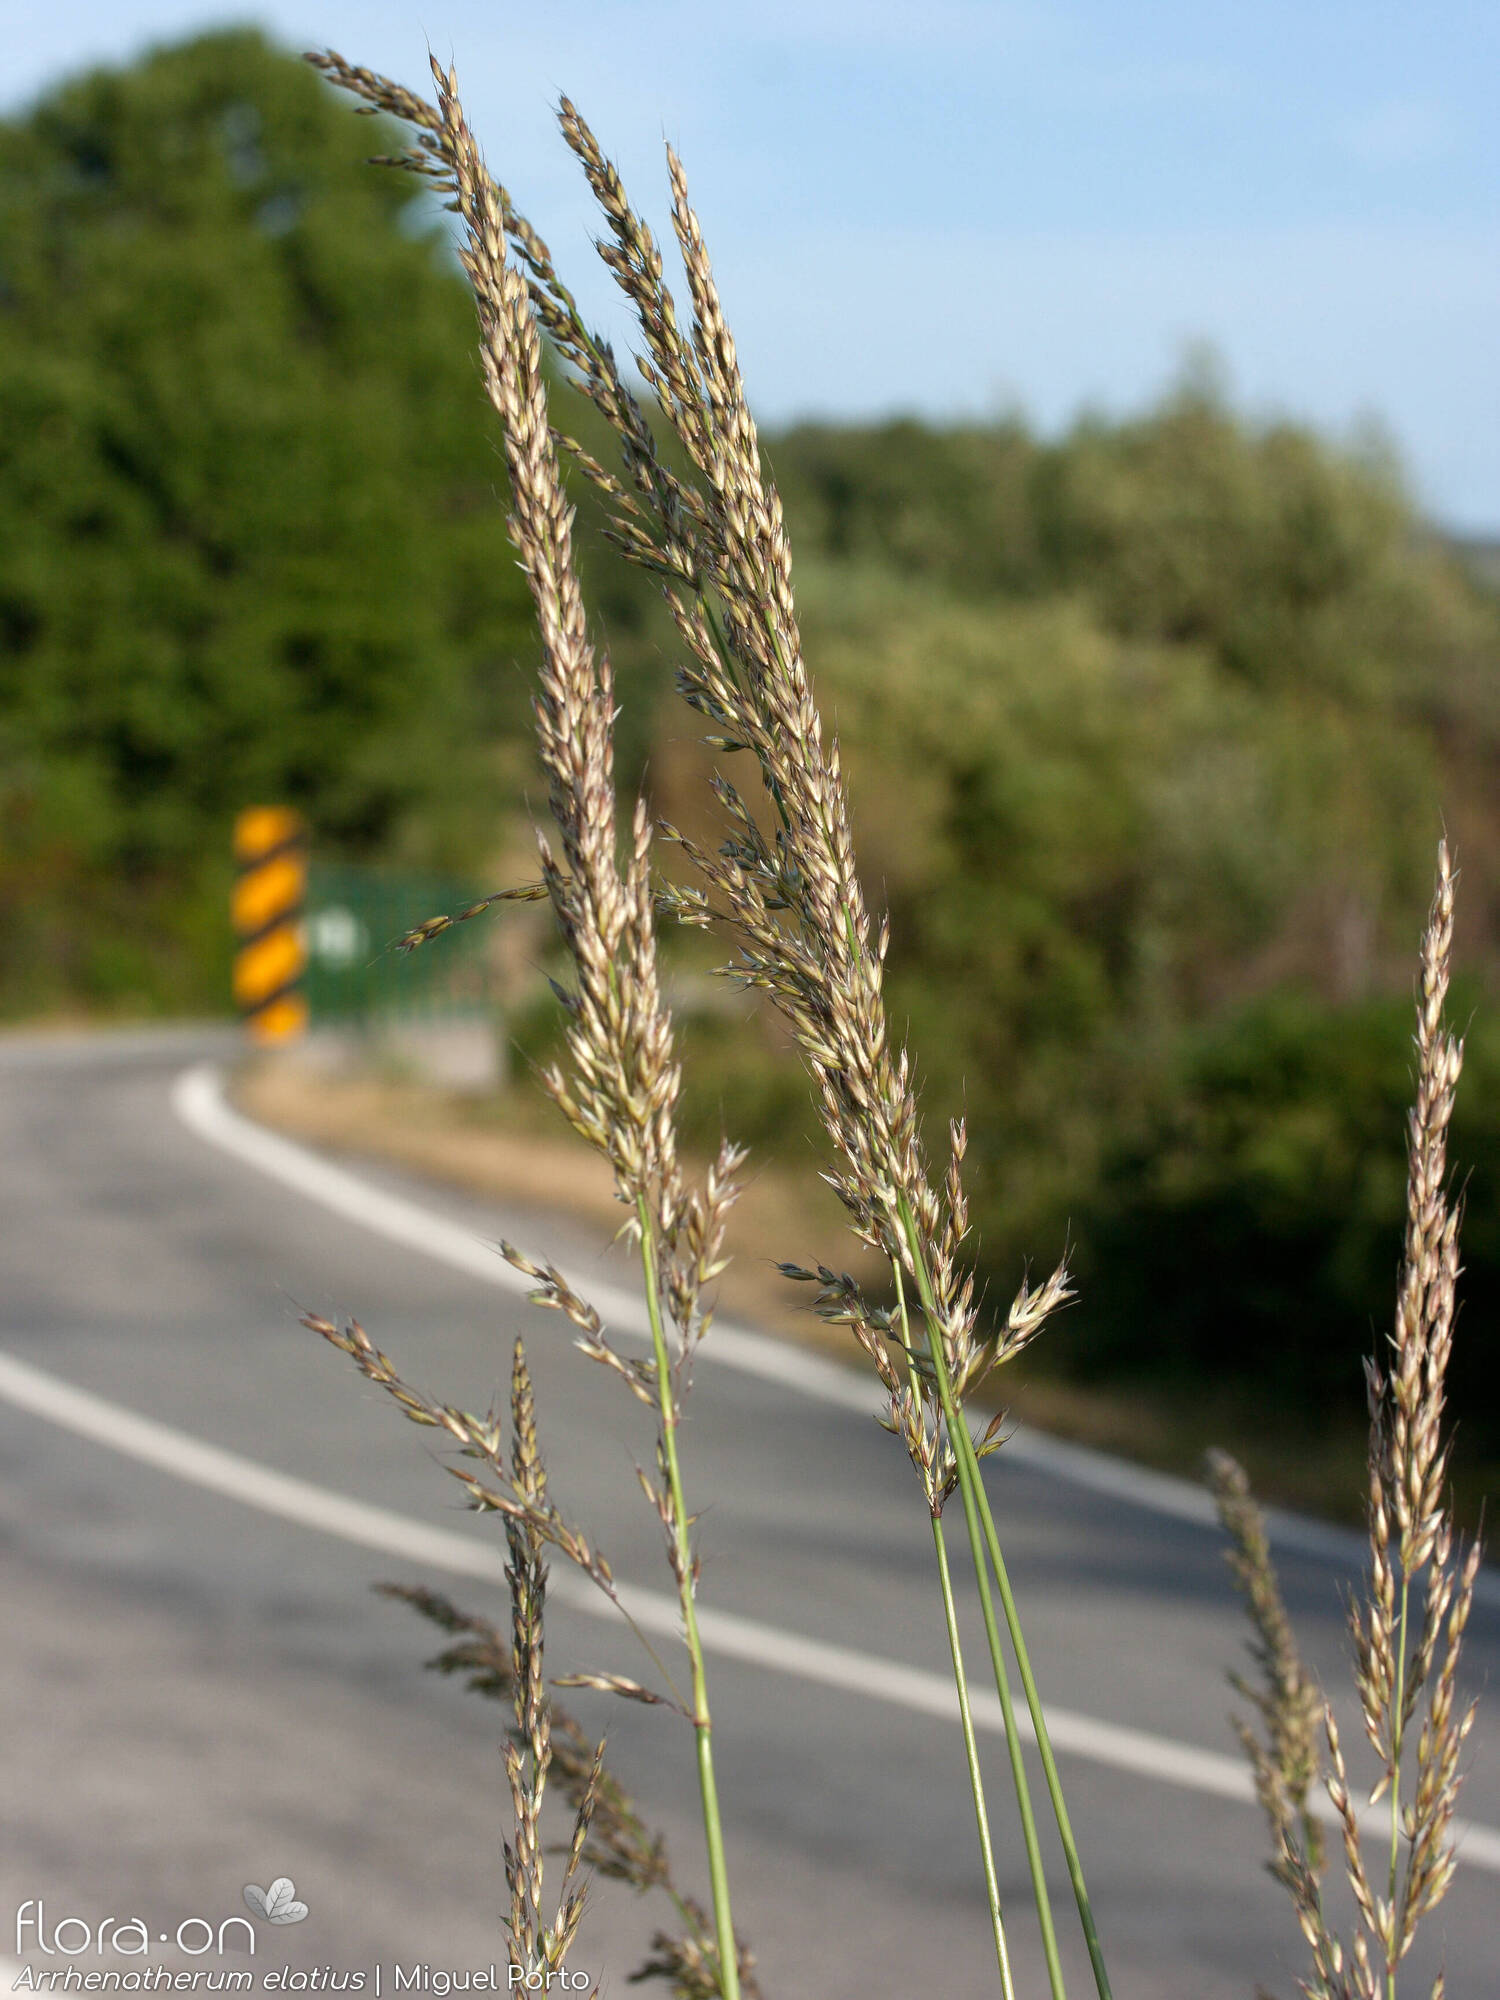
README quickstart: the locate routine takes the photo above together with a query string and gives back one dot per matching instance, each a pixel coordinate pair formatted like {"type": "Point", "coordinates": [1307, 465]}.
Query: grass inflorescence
{"type": "Point", "coordinates": [1407, 1628]}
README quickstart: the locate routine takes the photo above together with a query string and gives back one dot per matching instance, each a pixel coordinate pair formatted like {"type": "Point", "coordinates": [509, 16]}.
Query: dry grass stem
{"type": "Point", "coordinates": [620, 1085]}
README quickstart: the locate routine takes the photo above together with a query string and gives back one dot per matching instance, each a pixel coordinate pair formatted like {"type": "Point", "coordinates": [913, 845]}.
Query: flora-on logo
{"type": "Point", "coordinates": [278, 1904]}
{"type": "Point", "coordinates": [72, 1937]}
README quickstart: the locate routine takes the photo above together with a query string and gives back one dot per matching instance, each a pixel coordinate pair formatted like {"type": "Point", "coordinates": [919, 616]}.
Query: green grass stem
{"type": "Point", "coordinates": [971, 1754]}
{"type": "Point", "coordinates": [961, 1683]}
{"type": "Point", "coordinates": [713, 1830]}
{"type": "Point", "coordinates": [1039, 1723]}
{"type": "Point", "coordinates": [971, 1485]}
{"type": "Point", "coordinates": [967, 1481]}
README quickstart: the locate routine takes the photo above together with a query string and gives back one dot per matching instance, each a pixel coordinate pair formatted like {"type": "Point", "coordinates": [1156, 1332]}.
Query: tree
{"type": "Point", "coordinates": [249, 539]}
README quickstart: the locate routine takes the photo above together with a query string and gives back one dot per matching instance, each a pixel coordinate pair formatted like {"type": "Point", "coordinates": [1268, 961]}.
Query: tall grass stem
{"type": "Point", "coordinates": [968, 1480]}
{"type": "Point", "coordinates": [971, 1754]}
{"type": "Point", "coordinates": [960, 1674]}
{"type": "Point", "coordinates": [713, 1830]}
{"type": "Point", "coordinates": [1039, 1723]}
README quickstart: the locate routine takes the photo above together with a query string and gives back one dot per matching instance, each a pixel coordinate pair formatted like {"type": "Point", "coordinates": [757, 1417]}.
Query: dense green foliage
{"type": "Point", "coordinates": [248, 541]}
{"type": "Point", "coordinates": [1253, 1220]}
{"type": "Point", "coordinates": [1149, 728]}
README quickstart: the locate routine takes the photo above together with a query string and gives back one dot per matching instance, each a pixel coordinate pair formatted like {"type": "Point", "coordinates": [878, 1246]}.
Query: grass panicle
{"type": "Point", "coordinates": [514, 1668]}
{"type": "Point", "coordinates": [1405, 1659]}
{"type": "Point", "coordinates": [614, 1841]}
{"type": "Point", "coordinates": [535, 1949]}
{"type": "Point", "coordinates": [620, 1084]}
{"type": "Point", "coordinates": [1287, 1761]}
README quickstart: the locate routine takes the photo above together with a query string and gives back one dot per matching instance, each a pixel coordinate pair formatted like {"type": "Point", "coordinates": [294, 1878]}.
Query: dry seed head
{"type": "Point", "coordinates": [619, 1684]}
{"type": "Point", "coordinates": [431, 927]}
{"type": "Point", "coordinates": [608, 1836]}
{"type": "Point", "coordinates": [639, 1377]}
{"type": "Point", "coordinates": [553, 1290]}
{"type": "Point", "coordinates": [751, 554]}
{"type": "Point", "coordinates": [1286, 1763]}
{"type": "Point", "coordinates": [1415, 1458]}
{"type": "Point", "coordinates": [636, 264]}
{"type": "Point", "coordinates": [526, 1455]}
{"type": "Point", "coordinates": [620, 1041]}
{"type": "Point", "coordinates": [1343, 1805]}
{"type": "Point", "coordinates": [515, 1488]}
{"type": "Point", "coordinates": [1410, 1530]}
{"type": "Point", "coordinates": [1031, 1309]}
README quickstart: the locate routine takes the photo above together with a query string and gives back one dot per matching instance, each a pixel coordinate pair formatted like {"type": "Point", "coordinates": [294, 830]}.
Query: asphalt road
{"type": "Point", "coordinates": [199, 1693]}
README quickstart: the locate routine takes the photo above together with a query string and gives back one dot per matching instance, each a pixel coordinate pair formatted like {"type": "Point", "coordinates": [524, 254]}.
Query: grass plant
{"type": "Point", "coordinates": [783, 891]}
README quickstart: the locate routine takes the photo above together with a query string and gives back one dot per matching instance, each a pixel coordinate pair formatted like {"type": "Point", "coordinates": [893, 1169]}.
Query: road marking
{"type": "Point", "coordinates": [852, 1672]}
{"type": "Point", "coordinates": [198, 1101]}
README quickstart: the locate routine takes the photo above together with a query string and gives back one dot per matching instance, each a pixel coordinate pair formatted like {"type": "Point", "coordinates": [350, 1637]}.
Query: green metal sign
{"type": "Point", "coordinates": [355, 974]}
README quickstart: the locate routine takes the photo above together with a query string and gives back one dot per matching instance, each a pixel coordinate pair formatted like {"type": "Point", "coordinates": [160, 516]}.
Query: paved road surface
{"type": "Point", "coordinates": [198, 1694]}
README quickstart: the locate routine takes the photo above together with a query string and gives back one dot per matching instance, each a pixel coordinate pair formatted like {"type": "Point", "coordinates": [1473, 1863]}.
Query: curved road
{"type": "Point", "coordinates": [201, 1691]}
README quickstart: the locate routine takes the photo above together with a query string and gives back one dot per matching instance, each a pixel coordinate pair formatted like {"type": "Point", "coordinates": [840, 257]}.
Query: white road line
{"type": "Point", "coordinates": [841, 1667]}
{"type": "Point", "coordinates": [280, 1493]}
{"type": "Point", "coordinates": [197, 1099]}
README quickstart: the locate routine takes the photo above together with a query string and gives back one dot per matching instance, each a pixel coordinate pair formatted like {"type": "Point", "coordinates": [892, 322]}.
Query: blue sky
{"type": "Point", "coordinates": [960, 207]}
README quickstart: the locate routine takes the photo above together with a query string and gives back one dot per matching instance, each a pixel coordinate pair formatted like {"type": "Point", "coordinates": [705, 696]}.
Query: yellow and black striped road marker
{"type": "Point", "coordinates": [270, 849]}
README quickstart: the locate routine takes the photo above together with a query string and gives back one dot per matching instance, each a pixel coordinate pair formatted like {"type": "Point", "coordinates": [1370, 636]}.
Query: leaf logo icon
{"type": "Point", "coordinates": [278, 1904]}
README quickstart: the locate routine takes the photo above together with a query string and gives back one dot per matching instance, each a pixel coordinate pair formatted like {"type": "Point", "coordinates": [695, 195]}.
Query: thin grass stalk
{"type": "Point", "coordinates": [713, 1830]}
{"type": "Point", "coordinates": [966, 1455]}
{"type": "Point", "coordinates": [976, 1515]}
{"type": "Point", "coordinates": [623, 1090]}
{"type": "Point", "coordinates": [764, 694]}
{"type": "Point", "coordinates": [971, 1756]}
{"type": "Point", "coordinates": [938, 1493]}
